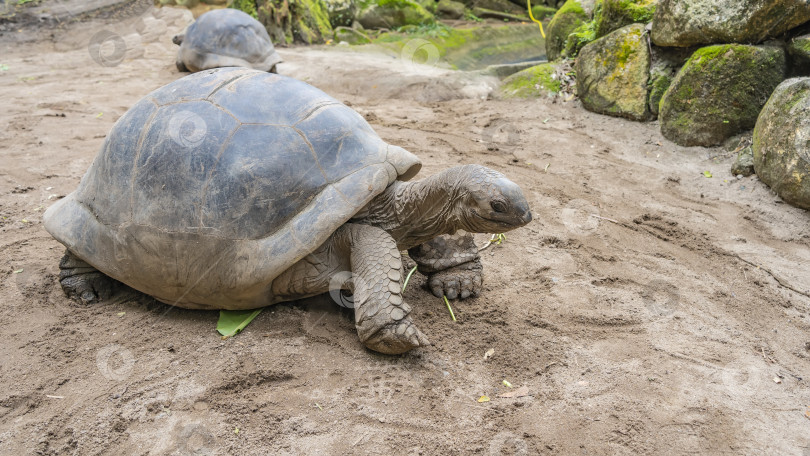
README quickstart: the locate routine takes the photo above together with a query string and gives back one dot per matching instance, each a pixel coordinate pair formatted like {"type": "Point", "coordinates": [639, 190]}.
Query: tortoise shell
{"type": "Point", "coordinates": [227, 37]}
{"type": "Point", "coordinates": [211, 186]}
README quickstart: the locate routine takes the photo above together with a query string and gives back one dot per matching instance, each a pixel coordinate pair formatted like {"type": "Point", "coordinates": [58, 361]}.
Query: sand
{"type": "Point", "coordinates": [647, 309]}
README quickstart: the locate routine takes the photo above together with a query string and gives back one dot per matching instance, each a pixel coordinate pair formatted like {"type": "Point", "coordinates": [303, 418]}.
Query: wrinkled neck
{"type": "Point", "coordinates": [415, 212]}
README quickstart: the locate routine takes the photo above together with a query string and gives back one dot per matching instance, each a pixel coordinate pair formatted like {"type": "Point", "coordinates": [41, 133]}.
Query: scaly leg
{"type": "Point", "coordinates": [380, 313]}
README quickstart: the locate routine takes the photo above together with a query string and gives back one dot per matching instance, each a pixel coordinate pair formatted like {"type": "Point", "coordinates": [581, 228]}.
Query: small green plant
{"type": "Point", "coordinates": [468, 15]}
{"type": "Point", "coordinates": [246, 6]}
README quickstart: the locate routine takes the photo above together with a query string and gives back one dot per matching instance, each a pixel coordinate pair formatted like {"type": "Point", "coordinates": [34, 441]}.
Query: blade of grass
{"type": "Point", "coordinates": [408, 278]}
{"type": "Point", "coordinates": [452, 315]}
{"type": "Point", "coordinates": [232, 322]}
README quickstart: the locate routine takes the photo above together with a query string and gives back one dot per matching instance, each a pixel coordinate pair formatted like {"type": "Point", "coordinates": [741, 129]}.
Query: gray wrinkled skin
{"type": "Point", "coordinates": [225, 38]}
{"type": "Point", "coordinates": [236, 189]}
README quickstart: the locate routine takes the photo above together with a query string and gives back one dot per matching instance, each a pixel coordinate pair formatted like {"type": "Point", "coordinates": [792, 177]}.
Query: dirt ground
{"type": "Point", "coordinates": [648, 309]}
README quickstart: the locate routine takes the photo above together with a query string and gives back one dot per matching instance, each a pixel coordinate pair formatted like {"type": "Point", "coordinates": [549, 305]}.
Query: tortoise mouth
{"type": "Point", "coordinates": [493, 223]}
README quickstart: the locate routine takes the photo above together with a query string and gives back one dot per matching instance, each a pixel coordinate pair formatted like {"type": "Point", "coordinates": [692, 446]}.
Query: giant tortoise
{"type": "Point", "coordinates": [224, 38]}
{"type": "Point", "coordinates": [234, 188]}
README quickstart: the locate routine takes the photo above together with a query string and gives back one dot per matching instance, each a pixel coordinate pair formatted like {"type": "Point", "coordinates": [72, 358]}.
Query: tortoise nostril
{"type": "Point", "coordinates": [527, 217]}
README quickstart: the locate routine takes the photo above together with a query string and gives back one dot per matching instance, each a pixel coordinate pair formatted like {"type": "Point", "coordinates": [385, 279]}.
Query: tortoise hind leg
{"type": "Point", "coordinates": [380, 313]}
{"type": "Point", "coordinates": [82, 281]}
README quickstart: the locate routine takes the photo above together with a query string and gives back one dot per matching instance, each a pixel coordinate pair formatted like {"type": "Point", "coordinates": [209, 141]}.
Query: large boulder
{"type": "Point", "coordinates": [392, 14]}
{"type": "Point", "coordinates": [782, 142]}
{"type": "Point", "coordinates": [450, 9]}
{"type": "Point", "coordinates": [300, 21]}
{"type": "Point", "coordinates": [573, 14]}
{"type": "Point", "coordinates": [613, 73]}
{"type": "Point", "coordinates": [684, 23]}
{"type": "Point", "coordinates": [719, 93]}
{"type": "Point", "coordinates": [616, 14]}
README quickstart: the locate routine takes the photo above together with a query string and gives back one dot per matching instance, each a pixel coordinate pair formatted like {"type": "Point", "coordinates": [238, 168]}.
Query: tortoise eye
{"type": "Point", "coordinates": [498, 206]}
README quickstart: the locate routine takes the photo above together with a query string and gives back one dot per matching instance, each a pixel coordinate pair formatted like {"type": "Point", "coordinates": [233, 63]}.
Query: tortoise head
{"type": "Point", "coordinates": [488, 202]}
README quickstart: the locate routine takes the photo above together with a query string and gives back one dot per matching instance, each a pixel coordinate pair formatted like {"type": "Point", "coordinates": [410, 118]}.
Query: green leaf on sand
{"type": "Point", "coordinates": [232, 322]}
{"type": "Point", "coordinates": [707, 173]}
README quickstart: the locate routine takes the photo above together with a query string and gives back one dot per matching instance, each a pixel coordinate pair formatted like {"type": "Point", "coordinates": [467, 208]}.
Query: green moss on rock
{"type": "Point", "coordinates": [472, 48]}
{"type": "Point", "coordinates": [288, 21]}
{"type": "Point", "coordinates": [719, 93]}
{"type": "Point", "coordinates": [567, 19]}
{"type": "Point", "coordinates": [685, 23]}
{"type": "Point", "coordinates": [616, 14]}
{"type": "Point", "coordinates": [393, 14]}
{"type": "Point", "coordinates": [341, 12]}
{"type": "Point", "coordinates": [532, 82]}
{"type": "Point", "coordinates": [799, 51]}
{"type": "Point", "coordinates": [782, 142]}
{"type": "Point", "coordinates": [541, 12]}
{"type": "Point", "coordinates": [613, 73]}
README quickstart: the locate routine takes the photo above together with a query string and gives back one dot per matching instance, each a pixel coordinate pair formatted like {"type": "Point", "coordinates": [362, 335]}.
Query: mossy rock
{"type": "Point", "coordinates": [392, 14]}
{"type": "Point", "coordinates": [799, 51]}
{"type": "Point", "coordinates": [684, 23]}
{"type": "Point", "coordinates": [506, 17]}
{"type": "Point", "coordinates": [532, 82]}
{"type": "Point", "coordinates": [450, 9]}
{"type": "Point", "coordinates": [541, 12]}
{"type": "Point", "coordinates": [613, 74]}
{"type": "Point", "coordinates": [503, 6]}
{"type": "Point", "coordinates": [664, 66]}
{"type": "Point", "coordinates": [744, 163]}
{"type": "Point", "coordinates": [616, 14]}
{"type": "Point", "coordinates": [300, 21]}
{"type": "Point", "coordinates": [350, 36]}
{"type": "Point", "coordinates": [782, 142]}
{"type": "Point", "coordinates": [341, 12]}
{"type": "Point", "coordinates": [573, 14]}
{"type": "Point", "coordinates": [719, 93]}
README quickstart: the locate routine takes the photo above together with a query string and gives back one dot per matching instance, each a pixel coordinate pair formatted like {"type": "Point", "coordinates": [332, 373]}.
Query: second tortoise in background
{"type": "Point", "coordinates": [225, 38]}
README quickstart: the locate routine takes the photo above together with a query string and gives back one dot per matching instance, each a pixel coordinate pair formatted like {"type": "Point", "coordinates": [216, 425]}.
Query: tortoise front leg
{"type": "Point", "coordinates": [380, 313]}
{"type": "Point", "coordinates": [452, 265]}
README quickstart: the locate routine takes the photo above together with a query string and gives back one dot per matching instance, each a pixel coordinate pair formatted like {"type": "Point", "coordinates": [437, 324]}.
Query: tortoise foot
{"type": "Point", "coordinates": [396, 338]}
{"type": "Point", "coordinates": [83, 282]}
{"type": "Point", "coordinates": [462, 281]}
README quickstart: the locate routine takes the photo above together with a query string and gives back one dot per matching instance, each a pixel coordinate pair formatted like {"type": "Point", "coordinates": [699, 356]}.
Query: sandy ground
{"type": "Point", "coordinates": [648, 309]}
